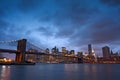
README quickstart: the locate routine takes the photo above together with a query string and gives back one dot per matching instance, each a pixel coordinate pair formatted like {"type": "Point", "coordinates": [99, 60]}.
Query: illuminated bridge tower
{"type": "Point", "coordinates": [21, 48]}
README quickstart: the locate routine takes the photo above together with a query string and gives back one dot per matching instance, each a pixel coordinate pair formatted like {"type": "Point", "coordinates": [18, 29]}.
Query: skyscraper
{"type": "Point", "coordinates": [64, 50]}
{"type": "Point", "coordinates": [54, 50]}
{"type": "Point", "coordinates": [106, 52]}
{"type": "Point", "coordinates": [89, 49]}
{"type": "Point", "coordinates": [72, 52]}
{"type": "Point", "coordinates": [47, 51]}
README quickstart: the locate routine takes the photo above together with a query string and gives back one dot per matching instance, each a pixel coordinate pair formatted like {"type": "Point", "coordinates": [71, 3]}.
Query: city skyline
{"type": "Point", "coordinates": [63, 23]}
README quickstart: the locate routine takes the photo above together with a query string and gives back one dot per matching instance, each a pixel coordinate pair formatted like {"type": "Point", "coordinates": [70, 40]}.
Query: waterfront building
{"type": "Point", "coordinates": [55, 50]}
{"type": "Point", "coordinates": [89, 49]}
{"type": "Point", "coordinates": [80, 54]}
{"type": "Point", "coordinates": [86, 54]}
{"type": "Point", "coordinates": [64, 50]}
{"type": "Point", "coordinates": [47, 51]}
{"type": "Point", "coordinates": [93, 53]}
{"type": "Point", "coordinates": [31, 57]}
{"type": "Point", "coordinates": [72, 52]}
{"type": "Point", "coordinates": [106, 52]}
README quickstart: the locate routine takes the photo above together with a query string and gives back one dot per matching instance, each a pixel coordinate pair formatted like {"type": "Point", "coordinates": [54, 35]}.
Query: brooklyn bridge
{"type": "Point", "coordinates": [27, 51]}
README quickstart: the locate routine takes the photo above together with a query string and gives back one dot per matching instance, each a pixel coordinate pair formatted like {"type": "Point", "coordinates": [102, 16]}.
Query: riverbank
{"type": "Point", "coordinates": [15, 63]}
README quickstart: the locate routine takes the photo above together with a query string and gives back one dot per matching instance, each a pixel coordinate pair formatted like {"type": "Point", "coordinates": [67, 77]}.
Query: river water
{"type": "Point", "coordinates": [60, 72]}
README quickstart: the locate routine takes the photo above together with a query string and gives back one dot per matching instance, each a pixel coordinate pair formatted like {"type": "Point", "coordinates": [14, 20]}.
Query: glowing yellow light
{"type": "Point", "coordinates": [5, 59]}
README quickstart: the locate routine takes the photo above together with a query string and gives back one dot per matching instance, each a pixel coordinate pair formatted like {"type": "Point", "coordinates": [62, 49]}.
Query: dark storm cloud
{"type": "Point", "coordinates": [111, 2]}
{"type": "Point", "coordinates": [47, 31]}
{"type": "Point", "coordinates": [71, 19]}
{"type": "Point", "coordinates": [69, 16]}
{"type": "Point", "coordinates": [7, 6]}
{"type": "Point", "coordinates": [102, 31]}
{"type": "Point", "coordinates": [65, 11]}
{"type": "Point", "coordinates": [3, 24]}
{"type": "Point", "coordinates": [72, 16]}
{"type": "Point", "coordinates": [8, 30]}
{"type": "Point", "coordinates": [80, 21]}
{"type": "Point", "coordinates": [2, 13]}
{"type": "Point", "coordinates": [30, 5]}
{"type": "Point", "coordinates": [3, 27]}
{"type": "Point", "coordinates": [106, 30]}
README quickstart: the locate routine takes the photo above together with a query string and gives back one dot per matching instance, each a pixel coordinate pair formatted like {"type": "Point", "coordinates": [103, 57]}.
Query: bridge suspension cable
{"type": "Point", "coordinates": [11, 44]}
{"type": "Point", "coordinates": [33, 46]}
{"type": "Point", "coordinates": [11, 41]}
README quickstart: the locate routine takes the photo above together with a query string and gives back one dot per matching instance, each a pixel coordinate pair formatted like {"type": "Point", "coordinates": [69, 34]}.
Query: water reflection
{"type": "Point", "coordinates": [71, 67]}
{"type": "Point", "coordinates": [90, 71]}
{"type": "Point", "coordinates": [61, 72]}
{"type": "Point", "coordinates": [5, 73]}
{"type": "Point", "coordinates": [98, 71]}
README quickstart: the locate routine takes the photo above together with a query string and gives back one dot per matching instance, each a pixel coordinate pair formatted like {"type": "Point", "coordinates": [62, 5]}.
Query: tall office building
{"type": "Point", "coordinates": [72, 52]}
{"type": "Point", "coordinates": [89, 49]}
{"type": "Point", "coordinates": [64, 50]}
{"type": "Point", "coordinates": [47, 51]}
{"type": "Point", "coordinates": [54, 50]}
{"type": "Point", "coordinates": [80, 54]}
{"type": "Point", "coordinates": [106, 52]}
{"type": "Point", "coordinates": [91, 52]}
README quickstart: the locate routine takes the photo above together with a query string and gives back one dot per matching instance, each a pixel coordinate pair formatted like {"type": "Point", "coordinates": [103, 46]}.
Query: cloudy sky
{"type": "Point", "coordinates": [69, 23]}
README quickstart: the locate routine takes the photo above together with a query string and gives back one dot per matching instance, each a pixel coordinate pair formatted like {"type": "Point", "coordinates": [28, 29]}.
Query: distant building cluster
{"type": "Point", "coordinates": [55, 55]}
{"type": "Point", "coordinates": [89, 56]}
{"type": "Point", "coordinates": [107, 53]}
{"type": "Point", "coordinates": [64, 51]}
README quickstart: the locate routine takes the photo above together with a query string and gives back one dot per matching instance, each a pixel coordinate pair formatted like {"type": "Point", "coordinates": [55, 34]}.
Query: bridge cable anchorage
{"type": "Point", "coordinates": [34, 47]}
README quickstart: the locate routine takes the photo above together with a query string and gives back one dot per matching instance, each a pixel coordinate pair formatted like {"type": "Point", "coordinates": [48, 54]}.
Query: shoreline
{"type": "Point", "coordinates": [14, 63]}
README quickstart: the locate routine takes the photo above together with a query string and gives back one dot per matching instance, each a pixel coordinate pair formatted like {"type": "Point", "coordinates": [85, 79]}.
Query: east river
{"type": "Point", "coordinates": [60, 72]}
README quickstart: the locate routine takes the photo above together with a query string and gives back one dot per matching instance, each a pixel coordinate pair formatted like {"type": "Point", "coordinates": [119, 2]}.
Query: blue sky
{"type": "Point", "coordinates": [69, 23]}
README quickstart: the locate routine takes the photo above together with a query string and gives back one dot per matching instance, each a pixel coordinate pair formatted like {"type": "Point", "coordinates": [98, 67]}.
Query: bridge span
{"type": "Point", "coordinates": [21, 51]}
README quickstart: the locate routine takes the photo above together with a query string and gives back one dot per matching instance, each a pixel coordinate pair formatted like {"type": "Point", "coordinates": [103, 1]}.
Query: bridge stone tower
{"type": "Point", "coordinates": [21, 48]}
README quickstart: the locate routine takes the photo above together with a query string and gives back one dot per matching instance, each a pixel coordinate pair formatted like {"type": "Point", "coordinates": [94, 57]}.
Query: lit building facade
{"type": "Point", "coordinates": [72, 52]}
{"type": "Point", "coordinates": [80, 54]}
{"type": "Point", "coordinates": [64, 50]}
{"type": "Point", "coordinates": [91, 52]}
{"type": "Point", "coordinates": [55, 50]}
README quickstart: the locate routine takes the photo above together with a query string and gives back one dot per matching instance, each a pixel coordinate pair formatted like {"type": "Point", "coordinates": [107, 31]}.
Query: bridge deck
{"type": "Point", "coordinates": [8, 50]}
{"type": "Point", "coordinates": [37, 53]}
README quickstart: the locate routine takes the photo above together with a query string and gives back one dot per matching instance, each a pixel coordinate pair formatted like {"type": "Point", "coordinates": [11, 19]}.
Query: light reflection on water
{"type": "Point", "coordinates": [60, 72]}
{"type": "Point", "coordinates": [5, 72]}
